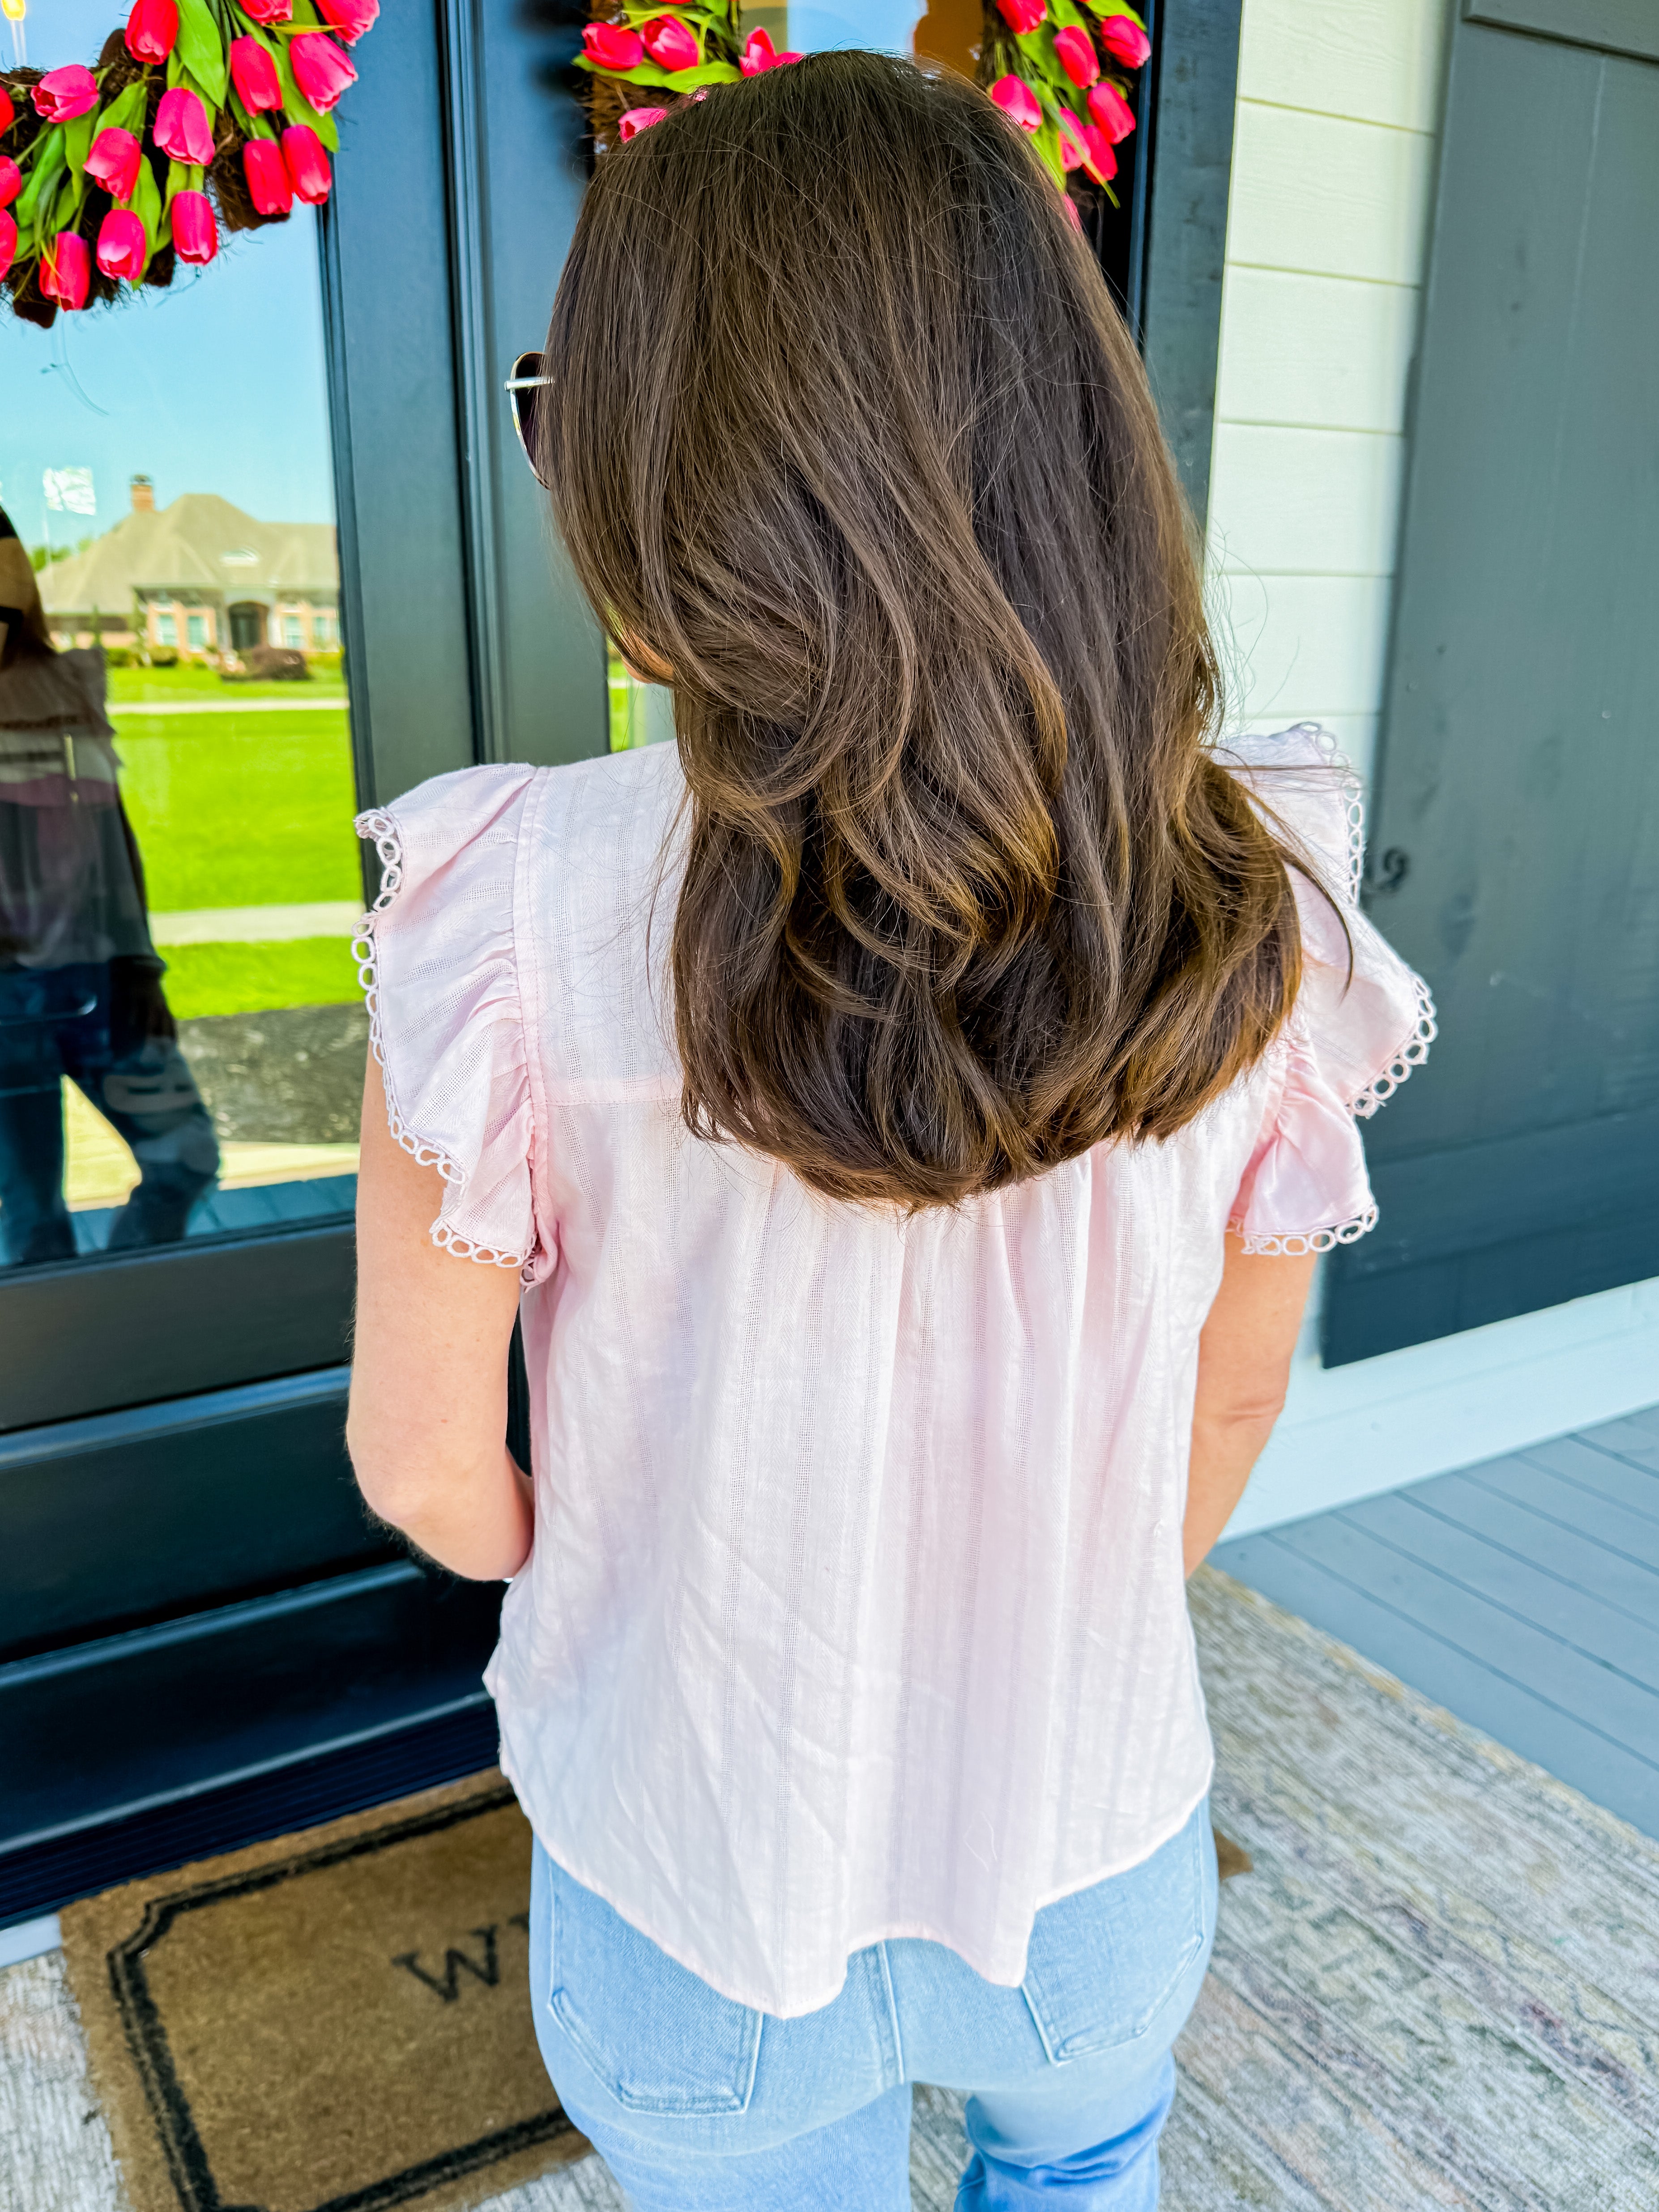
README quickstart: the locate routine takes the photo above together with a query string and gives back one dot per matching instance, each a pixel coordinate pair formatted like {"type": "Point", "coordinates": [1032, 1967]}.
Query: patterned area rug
{"type": "Point", "coordinates": [1438, 1987]}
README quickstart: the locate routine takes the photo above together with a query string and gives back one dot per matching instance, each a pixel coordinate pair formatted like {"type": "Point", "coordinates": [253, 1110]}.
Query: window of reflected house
{"type": "Point", "coordinates": [182, 1040]}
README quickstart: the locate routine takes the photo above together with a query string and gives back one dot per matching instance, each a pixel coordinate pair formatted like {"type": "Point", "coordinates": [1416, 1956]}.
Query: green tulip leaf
{"type": "Point", "coordinates": [125, 111]}
{"type": "Point", "coordinates": [43, 176]}
{"type": "Point", "coordinates": [643, 73]}
{"type": "Point", "coordinates": [688, 79]}
{"type": "Point", "coordinates": [201, 48]}
{"type": "Point", "coordinates": [77, 142]}
{"type": "Point", "coordinates": [146, 204]}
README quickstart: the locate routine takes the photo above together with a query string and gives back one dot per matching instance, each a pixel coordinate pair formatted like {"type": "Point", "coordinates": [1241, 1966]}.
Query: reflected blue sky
{"type": "Point", "coordinates": [218, 384]}
{"type": "Point", "coordinates": [215, 385]}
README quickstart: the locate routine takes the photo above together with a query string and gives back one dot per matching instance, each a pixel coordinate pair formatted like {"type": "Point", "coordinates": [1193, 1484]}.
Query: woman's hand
{"type": "Point", "coordinates": [428, 1421]}
{"type": "Point", "coordinates": [1244, 1369]}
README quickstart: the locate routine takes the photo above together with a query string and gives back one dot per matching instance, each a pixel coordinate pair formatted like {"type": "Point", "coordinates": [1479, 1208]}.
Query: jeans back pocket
{"type": "Point", "coordinates": [657, 2037]}
{"type": "Point", "coordinates": [1104, 1963]}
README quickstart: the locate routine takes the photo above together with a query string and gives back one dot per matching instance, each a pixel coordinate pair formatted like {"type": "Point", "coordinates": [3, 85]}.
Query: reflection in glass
{"type": "Point", "coordinates": [182, 1039]}
{"type": "Point", "coordinates": [80, 989]}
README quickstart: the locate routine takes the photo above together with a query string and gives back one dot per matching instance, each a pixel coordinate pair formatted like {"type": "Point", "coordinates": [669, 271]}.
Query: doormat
{"type": "Point", "coordinates": [337, 2020]}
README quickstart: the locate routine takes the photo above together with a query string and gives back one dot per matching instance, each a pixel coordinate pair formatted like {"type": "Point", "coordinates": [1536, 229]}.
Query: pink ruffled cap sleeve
{"type": "Point", "coordinates": [439, 969]}
{"type": "Point", "coordinates": [1362, 1021]}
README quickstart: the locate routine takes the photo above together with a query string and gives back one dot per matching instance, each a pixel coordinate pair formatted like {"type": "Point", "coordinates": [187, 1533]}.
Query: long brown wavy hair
{"type": "Point", "coordinates": [846, 438]}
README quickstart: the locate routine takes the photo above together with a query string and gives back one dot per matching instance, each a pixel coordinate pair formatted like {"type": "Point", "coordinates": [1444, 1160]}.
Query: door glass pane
{"type": "Point", "coordinates": [181, 1036]}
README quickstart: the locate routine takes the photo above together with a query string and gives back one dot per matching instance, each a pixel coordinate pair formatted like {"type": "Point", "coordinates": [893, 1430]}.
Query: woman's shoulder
{"type": "Point", "coordinates": [1301, 780]}
{"type": "Point", "coordinates": [484, 813]}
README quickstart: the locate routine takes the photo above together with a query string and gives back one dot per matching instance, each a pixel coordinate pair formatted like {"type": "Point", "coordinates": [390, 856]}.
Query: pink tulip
{"type": "Point", "coordinates": [1072, 215]}
{"type": "Point", "coordinates": [182, 130]}
{"type": "Point", "coordinates": [152, 28]}
{"type": "Point", "coordinates": [307, 164]}
{"type": "Point", "coordinates": [759, 55]}
{"type": "Point", "coordinates": [669, 44]}
{"type": "Point", "coordinates": [66, 271]}
{"type": "Point", "coordinates": [195, 233]}
{"type": "Point", "coordinates": [1123, 37]}
{"type": "Point", "coordinates": [11, 180]}
{"type": "Point", "coordinates": [1016, 98]}
{"type": "Point", "coordinates": [8, 112]}
{"type": "Point", "coordinates": [349, 19]}
{"type": "Point", "coordinates": [1112, 113]}
{"type": "Point", "coordinates": [1098, 158]}
{"type": "Point", "coordinates": [633, 120]}
{"type": "Point", "coordinates": [63, 93]}
{"type": "Point", "coordinates": [1021, 14]}
{"type": "Point", "coordinates": [267, 11]}
{"type": "Point", "coordinates": [113, 163]}
{"type": "Point", "coordinates": [254, 75]}
{"type": "Point", "coordinates": [613, 46]}
{"type": "Point", "coordinates": [1073, 151]}
{"type": "Point", "coordinates": [7, 239]}
{"type": "Point", "coordinates": [1074, 50]}
{"type": "Point", "coordinates": [320, 70]}
{"type": "Point", "coordinates": [123, 249]}
{"type": "Point", "coordinates": [269, 186]}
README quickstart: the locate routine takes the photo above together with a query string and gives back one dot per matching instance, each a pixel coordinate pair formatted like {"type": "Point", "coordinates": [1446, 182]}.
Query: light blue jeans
{"type": "Point", "coordinates": [700, 2104]}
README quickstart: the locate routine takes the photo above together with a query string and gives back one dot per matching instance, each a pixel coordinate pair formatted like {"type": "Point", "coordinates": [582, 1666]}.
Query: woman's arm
{"type": "Point", "coordinates": [428, 1420]}
{"type": "Point", "coordinates": [1243, 1367]}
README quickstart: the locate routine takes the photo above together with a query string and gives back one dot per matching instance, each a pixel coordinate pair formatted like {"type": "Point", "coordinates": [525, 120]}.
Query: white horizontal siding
{"type": "Point", "coordinates": [1326, 195]}
{"type": "Point", "coordinates": [1328, 353]}
{"type": "Point", "coordinates": [1377, 61]}
{"type": "Point", "coordinates": [1294, 501]}
{"type": "Point", "coordinates": [1333, 172]}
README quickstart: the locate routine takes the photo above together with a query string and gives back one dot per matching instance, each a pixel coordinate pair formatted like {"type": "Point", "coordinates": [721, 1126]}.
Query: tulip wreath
{"type": "Point", "coordinates": [1041, 61]}
{"type": "Point", "coordinates": [199, 113]}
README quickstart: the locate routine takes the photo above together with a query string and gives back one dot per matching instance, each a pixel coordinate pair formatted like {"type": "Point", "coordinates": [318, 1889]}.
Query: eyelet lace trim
{"type": "Point", "coordinates": [384, 831]}
{"type": "Point", "coordinates": [1354, 799]}
{"type": "Point", "coordinates": [1411, 1055]}
{"type": "Point", "coordinates": [1316, 1240]}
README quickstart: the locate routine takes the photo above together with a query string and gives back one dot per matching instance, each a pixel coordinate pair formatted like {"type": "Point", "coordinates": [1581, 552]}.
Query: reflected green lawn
{"type": "Point", "coordinates": [242, 810]}
{"type": "Point", "coordinates": [189, 681]}
{"type": "Point", "coordinates": [247, 978]}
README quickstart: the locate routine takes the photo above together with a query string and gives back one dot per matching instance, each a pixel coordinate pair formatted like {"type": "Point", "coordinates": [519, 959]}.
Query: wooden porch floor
{"type": "Point", "coordinates": [1522, 1595]}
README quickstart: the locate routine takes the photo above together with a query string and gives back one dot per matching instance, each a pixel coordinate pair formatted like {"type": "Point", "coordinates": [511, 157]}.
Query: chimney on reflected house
{"type": "Point", "coordinates": [143, 495]}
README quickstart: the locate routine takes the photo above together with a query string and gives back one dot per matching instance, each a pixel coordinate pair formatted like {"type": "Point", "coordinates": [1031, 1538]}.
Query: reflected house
{"type": "Point", "coordinates": [200, 575]}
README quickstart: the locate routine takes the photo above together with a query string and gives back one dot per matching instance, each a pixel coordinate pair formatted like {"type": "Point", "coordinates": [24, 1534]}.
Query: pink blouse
{"type": "Point", "coordinates": [856, 1607]}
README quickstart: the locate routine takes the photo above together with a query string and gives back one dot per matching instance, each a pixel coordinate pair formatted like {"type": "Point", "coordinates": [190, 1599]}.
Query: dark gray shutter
{"type": "Point", "coordinates": [1519, 767]}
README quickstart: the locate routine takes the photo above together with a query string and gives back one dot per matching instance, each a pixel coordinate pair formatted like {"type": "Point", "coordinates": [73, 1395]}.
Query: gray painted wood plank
{"type": "Point", "coordinates": [1534, 1595]}
{"type": "Point", "coordinates": [1537, 1729]}
{"type": "Point", "coordinates": [1635, 1438]}
{"type": "Point", "coordinates": [1622, 1711]}
{"type": "Point", "coordinates": [1600, 1569]}
{"type": "Point", "coordinates": [1618, 1479]}
{"type": "Point", "coordinates": [1572, 1505]}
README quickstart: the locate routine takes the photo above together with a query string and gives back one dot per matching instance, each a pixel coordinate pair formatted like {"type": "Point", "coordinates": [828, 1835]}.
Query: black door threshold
{"type": "Point", "coordinates": [40, 1876]}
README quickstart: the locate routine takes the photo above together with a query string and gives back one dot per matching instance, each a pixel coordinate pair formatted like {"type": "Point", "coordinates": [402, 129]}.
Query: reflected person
{"type": "Point", "coordinates": [80, 989]}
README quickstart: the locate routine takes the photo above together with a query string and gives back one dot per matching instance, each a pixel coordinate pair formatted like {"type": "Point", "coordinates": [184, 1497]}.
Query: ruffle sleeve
{"type": "Point", "coordinates": [439, 965]}
{"type": "Point", "coordinates": [1362, 1020]}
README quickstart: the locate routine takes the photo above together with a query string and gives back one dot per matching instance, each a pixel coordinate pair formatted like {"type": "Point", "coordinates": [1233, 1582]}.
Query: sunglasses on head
{"type": "Point", "coordinates": [525, 388]}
